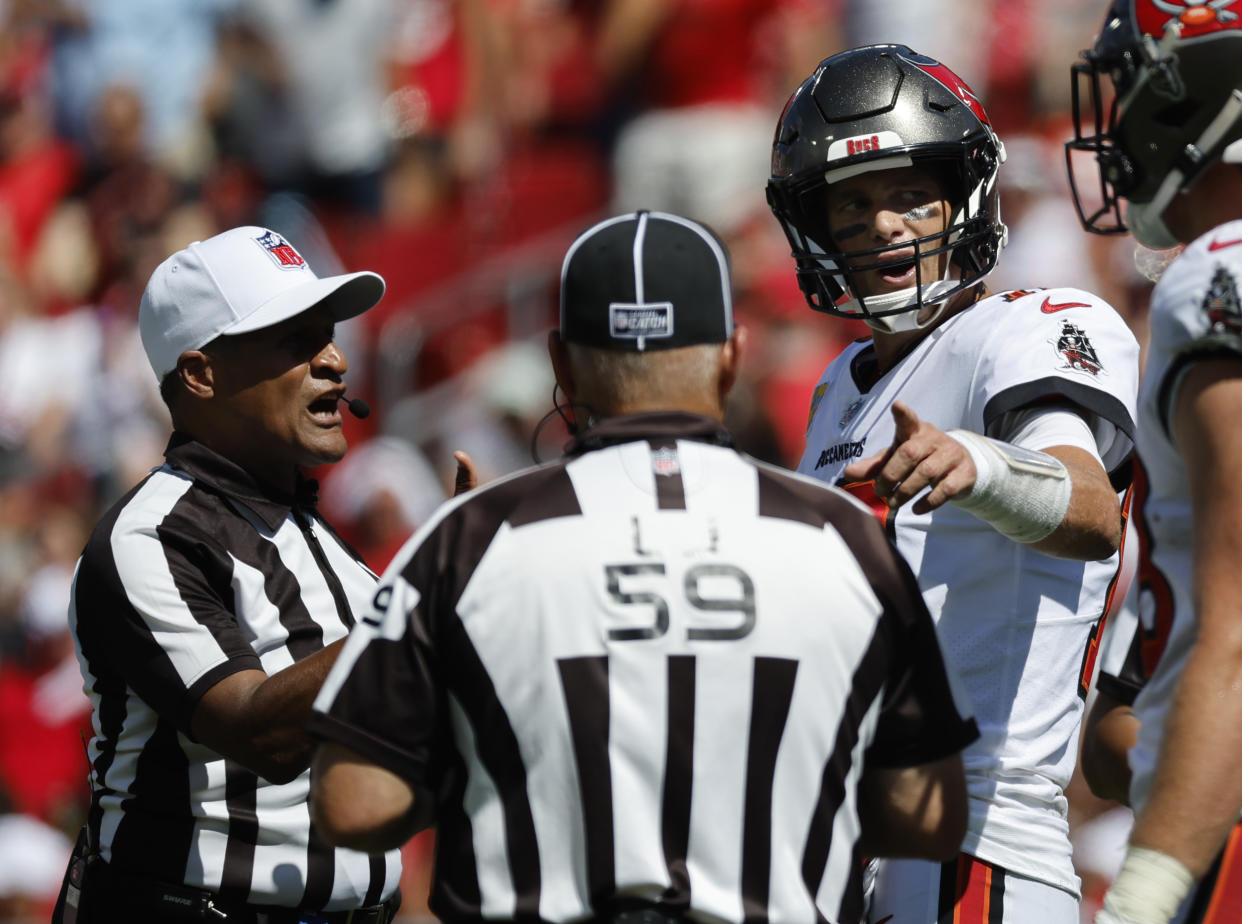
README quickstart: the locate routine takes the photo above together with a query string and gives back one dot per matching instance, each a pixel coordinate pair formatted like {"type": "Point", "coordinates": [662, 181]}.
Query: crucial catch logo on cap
{"type": "Point", "coordinates": [280, 251]}
{"type": "Point", "coordinates": [637, 322]}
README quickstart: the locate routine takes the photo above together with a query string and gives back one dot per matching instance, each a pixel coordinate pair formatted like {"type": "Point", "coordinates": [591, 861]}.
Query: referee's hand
{"type": "Point", "coordinates": [467, 474]}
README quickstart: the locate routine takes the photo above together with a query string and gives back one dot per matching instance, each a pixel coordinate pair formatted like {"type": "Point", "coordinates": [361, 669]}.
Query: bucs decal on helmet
{"type": "Point", "coordinates": [1195, 16]}
{"type": "Point", "coordinates": [859, 144]}
{"type": "Point", "coordinates": [1074, 345]}
{"type": "Point", "coordinates": [1221, 303]}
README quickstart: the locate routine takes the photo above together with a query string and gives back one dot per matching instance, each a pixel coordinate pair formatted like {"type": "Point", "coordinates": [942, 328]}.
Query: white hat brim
{"type": "Point", "coordinates": [345, 296]}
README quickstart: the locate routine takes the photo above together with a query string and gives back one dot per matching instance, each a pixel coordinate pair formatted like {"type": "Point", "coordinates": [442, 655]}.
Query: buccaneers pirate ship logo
{"type": "Point", "coordinates": [1076, 349]}
{"type": "Point", "coordinates": [1221, 303]}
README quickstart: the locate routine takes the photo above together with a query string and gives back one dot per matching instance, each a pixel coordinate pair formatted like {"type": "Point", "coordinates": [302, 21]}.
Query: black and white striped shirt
{"type": "Point", "coordinates": [194, 575]}
{"type": "Point", "coordinates": [651, 671]}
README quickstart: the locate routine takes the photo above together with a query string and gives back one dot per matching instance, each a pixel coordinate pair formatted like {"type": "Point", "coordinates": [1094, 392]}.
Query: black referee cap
{"type": "Point", "coordinates": [646, 281]}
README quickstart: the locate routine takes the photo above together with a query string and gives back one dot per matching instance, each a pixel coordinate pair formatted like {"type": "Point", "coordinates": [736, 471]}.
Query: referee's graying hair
{"type": "Point", "coordinates": [616, 381]}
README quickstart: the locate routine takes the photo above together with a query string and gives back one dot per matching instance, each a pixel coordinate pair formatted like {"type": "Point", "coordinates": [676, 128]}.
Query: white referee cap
{"type": "Point", "coordinates": [239, 281]}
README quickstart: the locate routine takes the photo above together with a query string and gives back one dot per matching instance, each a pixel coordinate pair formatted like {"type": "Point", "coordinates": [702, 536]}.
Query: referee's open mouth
{"type": "Point", "coordinates": [326, 410]}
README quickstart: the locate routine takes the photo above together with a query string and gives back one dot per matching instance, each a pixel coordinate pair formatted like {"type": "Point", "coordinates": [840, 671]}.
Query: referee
{"type": "Point", "coordinates": [656, 679]}
{"type": "Point", "coordinates": [210, 602]}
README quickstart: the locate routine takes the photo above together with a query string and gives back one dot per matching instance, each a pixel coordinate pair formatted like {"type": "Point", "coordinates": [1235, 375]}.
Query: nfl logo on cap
{"type": "Point", "coordinates": [281, 251]}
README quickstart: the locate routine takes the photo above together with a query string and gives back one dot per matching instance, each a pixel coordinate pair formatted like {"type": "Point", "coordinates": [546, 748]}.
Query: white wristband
{"type": "Point", "coordinates": [1022, 493]}
{"type": "Point", "coordinates": [1148, 890]}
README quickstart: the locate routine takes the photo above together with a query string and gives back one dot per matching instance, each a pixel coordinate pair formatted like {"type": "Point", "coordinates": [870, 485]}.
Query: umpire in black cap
{"type": "Point", "coordinates": [653, 680]}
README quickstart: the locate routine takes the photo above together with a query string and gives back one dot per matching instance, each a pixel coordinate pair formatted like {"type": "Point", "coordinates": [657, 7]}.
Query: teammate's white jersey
{"type": "Point", "coordinates": [1014, 622]}
{"type": "Point", "coordinates": [1195, 312]}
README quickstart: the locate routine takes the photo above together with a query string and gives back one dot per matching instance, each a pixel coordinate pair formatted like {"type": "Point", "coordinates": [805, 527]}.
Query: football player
{"type": "Point", "coordinates": [1158, 102]}
{"type": "Point", "coordinates": [990, 432]}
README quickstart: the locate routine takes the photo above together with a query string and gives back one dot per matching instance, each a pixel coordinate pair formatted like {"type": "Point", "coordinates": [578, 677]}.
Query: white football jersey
{"type": "Point", "coordinates": [1194, 312]}
{"type": "Point", "coordinates": [1014, 622]}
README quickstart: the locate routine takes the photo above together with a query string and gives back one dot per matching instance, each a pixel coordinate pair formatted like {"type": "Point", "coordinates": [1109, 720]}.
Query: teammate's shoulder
{"type": "Point", "coordinates": [1200, 292]}
{"type": "Point", "coordinates": [1223, 244]}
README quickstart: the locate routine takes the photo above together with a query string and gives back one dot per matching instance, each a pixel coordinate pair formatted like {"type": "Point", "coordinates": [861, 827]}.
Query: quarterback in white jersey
{"type": "Point", "coordinates": [1181, 177]}
{"type": "Point", "coordinates": [991, 433]}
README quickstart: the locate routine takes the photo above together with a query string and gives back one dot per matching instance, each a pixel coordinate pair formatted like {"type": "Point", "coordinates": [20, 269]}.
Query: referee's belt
{"type": "Point", "coordinates": [139, 898]}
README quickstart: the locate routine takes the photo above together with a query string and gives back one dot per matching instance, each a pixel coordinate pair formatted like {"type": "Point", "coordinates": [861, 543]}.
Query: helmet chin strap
{"type": "Point", "coordinates": [1146, 222]}
{"type": "Point", "coordinates": [907, 320]}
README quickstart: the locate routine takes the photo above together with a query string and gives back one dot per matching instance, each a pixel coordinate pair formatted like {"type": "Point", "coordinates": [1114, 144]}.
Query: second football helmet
{"type": "Point", "coordinates": [876, 108]}
{"type": "Point", "coordinates": [1171, 106]}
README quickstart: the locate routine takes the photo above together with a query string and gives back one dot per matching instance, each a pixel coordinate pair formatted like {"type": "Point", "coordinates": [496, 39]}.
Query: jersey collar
{"type": "Point", "coordinates": [227, 478]}
{"type": "Point", "coordinates": [652, 425]}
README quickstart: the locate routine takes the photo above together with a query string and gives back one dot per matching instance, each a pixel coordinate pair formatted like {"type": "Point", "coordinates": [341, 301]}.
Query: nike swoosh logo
{"type": "Point", "coordinates": [1221, 245]}
{"type": "Point", "coordinates": [1049, 306]}
{"type": "Point", "coordinates": [884, 920]}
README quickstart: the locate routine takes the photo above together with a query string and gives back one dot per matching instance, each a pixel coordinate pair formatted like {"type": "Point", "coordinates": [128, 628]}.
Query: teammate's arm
{"type": "Point", "coordinates": [1109, 731]}
{"type": "Point", "coordinates": [915, 811]}
{"type": "Point", "coordinates": [1082, 523]}
{"type": "Point", "coordinates": [1197, 791]}
{"type": "Point", "coordinates": [359, 804]}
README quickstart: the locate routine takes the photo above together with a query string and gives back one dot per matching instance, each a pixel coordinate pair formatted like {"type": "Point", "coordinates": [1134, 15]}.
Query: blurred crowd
{"type": "Point", "coordinates": [456, 147]}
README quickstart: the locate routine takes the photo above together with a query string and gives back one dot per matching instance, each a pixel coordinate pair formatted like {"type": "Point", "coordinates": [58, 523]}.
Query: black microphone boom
{"type": "Point", "coordinates": [357, 407]}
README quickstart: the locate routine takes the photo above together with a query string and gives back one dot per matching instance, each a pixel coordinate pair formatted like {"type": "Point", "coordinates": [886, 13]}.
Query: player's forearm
{"type": "Point", "coordinates": [1197, 792]}
{"type": "Point", "coordinates": [360, 805]}
{"type": "Point", "coordinates": [1091, 527]}
{"type": "Point", "coordinates": [1058, 500]}
{"type": "Point", "coordinates": [1111, 730]}
{"type": "Point", "coordinates": [914, 811]}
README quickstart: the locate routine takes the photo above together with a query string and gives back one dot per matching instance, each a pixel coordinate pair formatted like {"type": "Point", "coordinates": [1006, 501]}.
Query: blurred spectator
{"type": "Point", "coordinates": [940, 29]}
{"type": "Point", "coordinates": [33, 856]}
{"type": "Point", "coordinates": [709, 78]}
{"type": "Point", "coordinates": [490, 410]}
{"type": "Point", "coordinates": [381, 492]}
{"type": "Point", "coordinates": [160, 49]}
{"type": "Point", "coordinates": [43, 711]}
{"type": "Point", "coordinates": [36, 168]}
{"type": "Point", "coordinates": [334, 58]}
{"type": "Point", "coordinates": [1045, 241]}
{"type": "Point", "coordinates": [45, 377]}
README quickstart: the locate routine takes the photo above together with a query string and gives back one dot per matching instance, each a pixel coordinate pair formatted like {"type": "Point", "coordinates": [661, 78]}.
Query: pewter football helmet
{"type": "Point", "coordinates": [876, 108]}
{"type": "Point", "coordinates": [1171, 106]}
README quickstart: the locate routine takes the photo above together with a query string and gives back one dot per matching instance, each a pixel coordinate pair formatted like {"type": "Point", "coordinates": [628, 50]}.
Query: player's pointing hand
{"type": "Point", "coordinates": [920, 457]}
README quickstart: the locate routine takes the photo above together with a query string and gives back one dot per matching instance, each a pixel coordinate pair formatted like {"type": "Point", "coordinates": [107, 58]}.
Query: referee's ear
{"type": "Point", "coordinates": [561, 366]}
{"type": "Point", "coordinates": [196, 374]}
{"type": "Point", "coordinates": [731, 362]}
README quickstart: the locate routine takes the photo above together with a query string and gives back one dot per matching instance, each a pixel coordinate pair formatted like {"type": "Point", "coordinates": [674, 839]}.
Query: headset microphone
{"type": "Point", "coordinates": [357, 406]}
